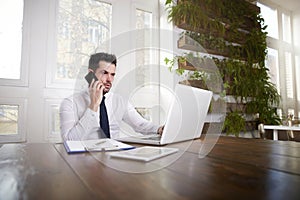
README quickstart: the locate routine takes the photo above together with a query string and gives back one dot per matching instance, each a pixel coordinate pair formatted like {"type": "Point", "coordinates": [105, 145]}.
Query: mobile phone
{"type": "Point", "coordinates": [90, 76]}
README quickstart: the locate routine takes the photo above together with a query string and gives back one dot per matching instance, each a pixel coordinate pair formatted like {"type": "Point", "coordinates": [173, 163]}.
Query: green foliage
{"type": "Point", "coordinates": [172, 62]}
{"type": "Point", "coordinates": [168, 2]}
{"type": "Point", "coordinates": [234, 123]}
{"type": "Point", "coordinates": [243, 69]}
{"type": "Point", "coordinates": [192, 14]}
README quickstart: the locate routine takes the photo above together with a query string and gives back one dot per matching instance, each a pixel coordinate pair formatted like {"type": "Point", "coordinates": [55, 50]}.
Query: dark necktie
{"type": "Point", "coordinates": [104, 124]}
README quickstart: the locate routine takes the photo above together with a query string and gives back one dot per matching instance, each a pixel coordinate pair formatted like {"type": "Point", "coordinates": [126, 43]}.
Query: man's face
{"type": "Point", "coordinates": [105, 74]}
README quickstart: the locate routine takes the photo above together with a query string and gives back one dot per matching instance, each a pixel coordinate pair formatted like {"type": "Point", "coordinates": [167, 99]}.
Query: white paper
{"type": "Point", "coordinates": [96, 145]}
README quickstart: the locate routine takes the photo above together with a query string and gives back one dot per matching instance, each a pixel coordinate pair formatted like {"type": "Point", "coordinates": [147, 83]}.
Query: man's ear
{"type": "Point", "coordinates": [90, 70]}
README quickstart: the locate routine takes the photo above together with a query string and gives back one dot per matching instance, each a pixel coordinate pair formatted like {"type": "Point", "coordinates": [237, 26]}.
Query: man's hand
{"type": "Point", "coordinates": [160, 130]}
{"type": "Point", "coordinates": [96, 94]}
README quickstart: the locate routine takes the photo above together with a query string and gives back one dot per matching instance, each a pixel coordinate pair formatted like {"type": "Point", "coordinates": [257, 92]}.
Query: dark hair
{"type": "Point", "coordinates": [97, 57]}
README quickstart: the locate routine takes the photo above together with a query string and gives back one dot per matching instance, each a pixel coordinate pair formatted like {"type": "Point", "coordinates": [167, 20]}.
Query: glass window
{"type": "Point", "coordinates": [55, 122]}
{"type": "Point", "coordinates": [84, 27]}
{"type": "Point", "coordinates": [143, 56]}
{"type": "Point", "coordinates": [272, 64]}
{"type": "Point", "coordinates": [283, 49]}
{"type": "Point", "coordinates": [289, 75]}
{"type": "Point", "coordinates": [279, 113]}
{"type": "Point", "coordinates": [143, 19]}
{"type": "Point", "coordinates": [270, 17]}
{"type": "Point", "coordinates": [286, 28]}
{"type": "Point", "coordinates": [52, 120]}
{"type": "Point", "coordinates": [291, 112]}
{"type": "Point", "coordinates": [297, 67]}
{"type": "Point", "coordinates": [147, 97]}
{"type": "Point", "coordinates": [9, 119]}
{"type": "Point", "coordinates": [11, 18]}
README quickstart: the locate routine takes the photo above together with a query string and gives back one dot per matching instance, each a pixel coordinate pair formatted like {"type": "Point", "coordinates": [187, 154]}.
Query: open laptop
{"type": "Point", "coordinates": [185, 118]}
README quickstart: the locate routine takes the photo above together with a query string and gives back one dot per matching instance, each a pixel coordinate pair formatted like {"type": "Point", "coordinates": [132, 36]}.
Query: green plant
{"type": "Point", "coordinates": [200, 70]}
{"type": "Point", "coordinates": [216, 24]}
{"type": "Point", "coordinates": [173, 61]}
{"type": "Point", "coordinates": [193, 14]}
{"type": "Point", "coordinates": [234, 123]}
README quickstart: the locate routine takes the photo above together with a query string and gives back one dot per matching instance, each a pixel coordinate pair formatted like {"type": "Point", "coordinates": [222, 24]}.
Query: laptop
{"type": "Point", "coordinates": [185, 119]}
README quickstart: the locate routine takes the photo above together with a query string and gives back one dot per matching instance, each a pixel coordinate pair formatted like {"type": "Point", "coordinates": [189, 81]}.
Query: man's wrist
{"type": "Point", "coordinates": [93, 108]}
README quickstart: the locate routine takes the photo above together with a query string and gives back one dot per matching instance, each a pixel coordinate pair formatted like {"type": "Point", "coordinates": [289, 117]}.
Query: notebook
{"type": "Point", "coordinates": [185, 119]}
{"type": "Point", "coordinates": [146, 153]}
{"type": "Point", "coordinates": [104, 144]}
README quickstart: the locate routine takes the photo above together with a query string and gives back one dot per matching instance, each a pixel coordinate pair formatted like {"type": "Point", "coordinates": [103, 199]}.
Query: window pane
{"type": "Point", "coordinates": [11, 18]}
{"type": "Point", "coordinates": [55, 122]}
{"type": "Point", "coordinates": [297, 67]}
{"type": "Point", "coordinates": [291, 112]}
{"type": "Point", "coordinates": [279, 113]}
{"type": "Point", "coordinates": [9, 119]}
{"type": "Point", "coordinates": [289, 74]}
{"type": "Point", "coordinates": [83, 26]}
{"type": "Point", "coordinates": [270, 17]}
{"type": "Point", "coordinates": [286, 28]}
{"type": "Point", "coordinates": [272, 64]}
{"type": "Point", "coordinates": [143, 56]}
{"type": "Point", "coordinates": [143, 19]}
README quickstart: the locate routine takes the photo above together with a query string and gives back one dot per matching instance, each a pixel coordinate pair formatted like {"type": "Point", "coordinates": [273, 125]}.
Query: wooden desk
{"type": "Point", "coordinates": [236, 168]}
{"type": "Point", "coordinates": [275, 129]}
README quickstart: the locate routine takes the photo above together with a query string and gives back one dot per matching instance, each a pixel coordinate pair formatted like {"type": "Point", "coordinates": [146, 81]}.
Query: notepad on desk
{"type": "Point", "coordinates": [145, 153]}
{"type": "Point", "coordinates": [105, 144]}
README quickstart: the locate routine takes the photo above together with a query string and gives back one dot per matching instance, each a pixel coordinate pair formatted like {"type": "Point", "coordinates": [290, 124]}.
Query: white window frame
{"type": "Point", "coordinates": [22, 112]}
{"type": "Point", "coordinates": [49, 134]}
{"type": "Point", "coordinates": [25, 49]}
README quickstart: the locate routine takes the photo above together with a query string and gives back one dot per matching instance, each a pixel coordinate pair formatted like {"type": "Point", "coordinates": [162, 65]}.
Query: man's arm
{"type": "Point", "coordinates": [138, 123]}
{"type": "Point", "coordinates": [76, 122]}
{"type": "Point", "coordinates": [78, 119]}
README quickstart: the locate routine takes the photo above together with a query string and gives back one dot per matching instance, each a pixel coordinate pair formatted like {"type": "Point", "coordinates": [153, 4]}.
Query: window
{"type": "Point", "coordinates": [9, 119]}
{"type": "Point", "coordinates": [270, 17]}
{"type": "Point", "coordinates": [59, 35]}
{"type": "Point", "coordinates": [146, 96]}
{"type": "Point", "coordinates": [11, 18]}
{"type": "Point", "coordinates": [143, 56]}
{"type": "Point", "coordinates": [286, 28]}
{"type": "Point", "coordinates": [13, 70]}
{"type": "Point", "coordinates": [282, 58]}
{"type": "Point", "coordinates": [297, 64]}
{"type": "Point", "coordinates": [52, 121]}
{"type": "Point", "coordinates": [272, 64]}
{"type": "Point", "coordinates": [12, 119]}
{"type": "Point", "coordinates": [83, 27]}
{"type": "Point", "coordinates": [55, 119]}
{"type": "Point", "coordinates": [143, 19]}
{"type": "Point", "coordinates": [291, 112]}
{"type": "Point", "coordinates": [279, 113]}
{"type": "Point", "coordinates": [289, 74]}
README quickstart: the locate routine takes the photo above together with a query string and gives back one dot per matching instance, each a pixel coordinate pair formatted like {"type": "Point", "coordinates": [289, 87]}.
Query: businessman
{"type": "Point", "coordinates": [97, 113]}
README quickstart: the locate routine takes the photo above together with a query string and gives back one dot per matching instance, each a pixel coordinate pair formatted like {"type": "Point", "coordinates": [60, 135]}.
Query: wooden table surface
{"type": "Point", "coordinates": [236, 168]}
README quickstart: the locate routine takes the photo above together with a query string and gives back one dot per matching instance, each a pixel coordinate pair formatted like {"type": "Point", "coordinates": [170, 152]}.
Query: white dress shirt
{"type": "Point", "coordinates": [79, 122]}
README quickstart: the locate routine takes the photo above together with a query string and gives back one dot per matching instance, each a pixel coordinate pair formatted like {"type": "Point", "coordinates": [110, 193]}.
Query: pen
{"type": "Point", "coordinates": [101, 142]}
{"type": "Point", "coordinates": [107, 148]}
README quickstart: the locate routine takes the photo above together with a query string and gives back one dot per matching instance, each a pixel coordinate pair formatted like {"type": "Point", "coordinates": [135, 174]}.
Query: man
{"type": "Point", "coordinates": [81, 115]}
